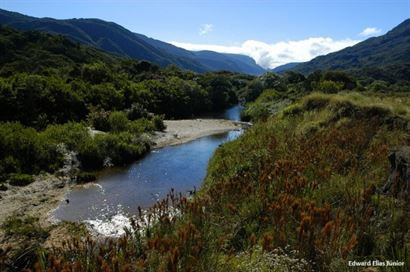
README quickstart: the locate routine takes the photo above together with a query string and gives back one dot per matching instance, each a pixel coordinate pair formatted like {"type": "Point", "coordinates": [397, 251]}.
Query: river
{"type": "Point", "coordinates": [119, 191]}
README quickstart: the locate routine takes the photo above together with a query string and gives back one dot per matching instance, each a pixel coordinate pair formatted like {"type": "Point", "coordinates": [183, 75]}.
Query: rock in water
{"type": "Point", "coordinates": [398, 183]}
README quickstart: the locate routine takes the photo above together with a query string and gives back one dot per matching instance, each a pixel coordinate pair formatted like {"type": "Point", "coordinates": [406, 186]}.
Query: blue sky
{"type": "Point", "coordinates": [272, 32]}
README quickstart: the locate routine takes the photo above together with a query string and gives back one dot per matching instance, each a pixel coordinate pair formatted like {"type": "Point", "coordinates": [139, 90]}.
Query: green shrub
{"type": "Point", "coordinates": [137, 111]}
{"type": "Point", "coordinates": [379, 86]}
{"type": "Point", "coordinates": [293, 109]}
{"type": "Point", "coordinates": [348, 83]}
{"type": "Point", "coordinates": [70, 134]}
{"type": "Point", "coordinates": [252, 90]}
{"type": "Point", "coordinates": [158, 123]}
{"type": "Point", "coordinates": [269, 103]}
{"type": "Point", "coordinates": [274, 81]}
{"type": "Point", "coordinates": [255, 111]}
{"type": "Point", "coordinates": [20, 179]}
{"type": "Point", "coordinates": [96, 72]}
{"type": "Point", "coordinates": [99, 119]}
{"type": "Point", "coordinates": [10, 164]}
{"type": "Point", "coordinates": [120, 148]}
{"type": "Point", "coordinates": [24, 150]}
{"type": "Point", "coordinates": [90, 154]}
{"type": "Point", "coordinates": [118, 121]}
{"type": "Point", "coordinates": [328, 86]}
{"type": "Point", "coordinates": [140, 126]}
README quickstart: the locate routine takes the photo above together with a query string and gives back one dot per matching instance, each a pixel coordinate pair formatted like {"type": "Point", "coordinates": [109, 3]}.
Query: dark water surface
{"type": "Point", "coordinates": [233, 114]}
{"type": "Point", "coordinates": [122, 190]}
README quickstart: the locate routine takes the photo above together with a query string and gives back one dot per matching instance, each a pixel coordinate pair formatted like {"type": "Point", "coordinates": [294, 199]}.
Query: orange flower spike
{"type": "Point", "coordinates": [327, 229]}
{"type": "Point", "coordinates": [267, 242]}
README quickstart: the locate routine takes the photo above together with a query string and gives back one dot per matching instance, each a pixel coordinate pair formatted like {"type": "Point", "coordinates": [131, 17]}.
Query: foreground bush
{"type": "Point", "coordinates": [20, 179]}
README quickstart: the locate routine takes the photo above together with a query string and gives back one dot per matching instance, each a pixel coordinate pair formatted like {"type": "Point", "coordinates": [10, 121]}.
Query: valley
{"type": "Point", "coordinates": [120, 152]}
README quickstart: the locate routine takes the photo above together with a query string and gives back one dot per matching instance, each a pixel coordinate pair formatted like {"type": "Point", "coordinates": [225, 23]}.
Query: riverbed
{"type": "Point", "coordinates": [118, 192]}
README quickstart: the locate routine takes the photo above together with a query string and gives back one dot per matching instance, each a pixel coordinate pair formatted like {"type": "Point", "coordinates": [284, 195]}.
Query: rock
{"type": "Point", "coordinates": [108, 162]}
{"type": "Point", "coordinates": [3, 187]}
{"type": "Point", "coordinates": [398, 183]}
{"type": "Point", "coordinates": [58, 183]}
{"type": "Point", "coordinates": [59, 186]}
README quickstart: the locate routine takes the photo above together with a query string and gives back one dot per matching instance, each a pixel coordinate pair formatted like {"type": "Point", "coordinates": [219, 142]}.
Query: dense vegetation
{"type": "Point", "coordinates": [52, 89]}
{"type": "Point", "coordinates": [269, 93]}
{"type": "Point", "coordinates": [114, 38]}
{"type": "Point", "coordinates": [299, 191]}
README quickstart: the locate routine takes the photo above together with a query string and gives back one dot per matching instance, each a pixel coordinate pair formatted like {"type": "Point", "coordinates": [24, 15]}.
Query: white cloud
{"type": "Point", "coordinates": [205, 29]}
{"type": "Point", "coordinates": [370, 31]}
{"type": "Point", "coordinates": [273, 55]}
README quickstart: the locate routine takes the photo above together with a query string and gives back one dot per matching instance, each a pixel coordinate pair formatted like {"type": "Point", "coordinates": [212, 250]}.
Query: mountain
{"type": "Point", "coordinates": [229, 62]}
{"type": "Point", "coordinates": [285, 67]}
{"type": "Point", "coordinates": [389, 50]}
{"type": "Point", "coordinates": [116, 39]}
{"type": "Point", "coordinates": [212, 61]}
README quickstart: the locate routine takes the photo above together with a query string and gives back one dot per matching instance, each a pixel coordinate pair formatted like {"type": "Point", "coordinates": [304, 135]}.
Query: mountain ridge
{"type": "Point", "coordinates": [116, 39]}
{"type": "Point", "coordinates": [284, 67]}
{"type": "Point", "coordinates": [390, 49]}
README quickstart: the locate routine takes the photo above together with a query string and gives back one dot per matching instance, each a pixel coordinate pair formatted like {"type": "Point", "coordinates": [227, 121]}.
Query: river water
{"type": "Point", "coordinates": [119, 191]}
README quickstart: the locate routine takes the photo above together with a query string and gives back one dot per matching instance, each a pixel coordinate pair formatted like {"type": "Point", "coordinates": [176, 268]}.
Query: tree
{"type": "Point", "coordinates": [294, 77]}
{"type": "Point", "coordinates": [252, 90]}
{"type": "Point", "coordinates": [218, 87]}
{"type": "Point", "coordinates": [137, 111]}
{"type": "Point", "coordinates": [338, 76]}
{"type": "Point", "coordinates": [312, 80]}
{"type": "Point", "coordinates": [274, 81]}
{"type": "Point", "coordinates": [96, 73]}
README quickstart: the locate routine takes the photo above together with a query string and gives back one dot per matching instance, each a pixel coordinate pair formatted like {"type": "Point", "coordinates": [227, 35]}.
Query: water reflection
{"type": "Point", "coordinates": [122, 190]}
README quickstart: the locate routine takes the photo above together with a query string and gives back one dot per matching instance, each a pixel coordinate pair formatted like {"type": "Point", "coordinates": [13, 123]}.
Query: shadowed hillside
{"type": "Point", "coordinates": [116, 39]}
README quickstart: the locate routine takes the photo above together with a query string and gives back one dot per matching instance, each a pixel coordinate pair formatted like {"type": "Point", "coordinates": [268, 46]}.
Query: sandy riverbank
{"type": "Point", "coordinates": [41, 197]}
{"type": "Point", "coordinates": [45, 193]}
{"type": "Point", "coordinates": [182, 131]}
{"type": "Point", "coordinates": [35, 199]}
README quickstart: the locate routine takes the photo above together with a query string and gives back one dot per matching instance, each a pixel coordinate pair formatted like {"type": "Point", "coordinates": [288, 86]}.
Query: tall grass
{"type": "Point", "coordinates": [280, 198]}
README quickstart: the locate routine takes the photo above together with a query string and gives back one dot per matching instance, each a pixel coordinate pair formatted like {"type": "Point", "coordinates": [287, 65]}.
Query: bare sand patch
{"type": "Point", "coordinates": [182, 131]}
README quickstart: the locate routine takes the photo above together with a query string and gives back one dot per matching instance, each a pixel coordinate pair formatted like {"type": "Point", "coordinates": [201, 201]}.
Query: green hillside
{"type": "Point", "coordinates": [52, 89]}
{"type": "Point", "coordinates": [285, 67]}
{"type": "Point", "coordinates": [389, 54]}
{"type": "Point", "coordinates": [116, 39]}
